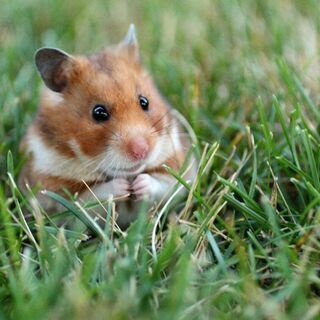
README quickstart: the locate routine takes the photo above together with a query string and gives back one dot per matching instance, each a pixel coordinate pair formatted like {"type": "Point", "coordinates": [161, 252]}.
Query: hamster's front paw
{"type": "Point", "coordinates": [118, 187]}
{"type": "Point", "coordinates": [143, 186]}
{"type": "Point", "coordinates": [115, 188]}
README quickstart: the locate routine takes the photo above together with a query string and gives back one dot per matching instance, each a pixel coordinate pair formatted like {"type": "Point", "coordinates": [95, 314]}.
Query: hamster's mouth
{"type": "Point", "coordinates": [132, 169]}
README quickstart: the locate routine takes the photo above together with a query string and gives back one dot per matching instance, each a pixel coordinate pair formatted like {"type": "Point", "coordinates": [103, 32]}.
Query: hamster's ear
{"type": "Point", "coordinates": [129, 44]}
{"type": "Point", "coordinates": [54, 67]}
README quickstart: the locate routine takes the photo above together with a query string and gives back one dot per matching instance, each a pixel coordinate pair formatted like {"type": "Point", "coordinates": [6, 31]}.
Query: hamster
{"type": "Point", "coordinates": [102, 124]}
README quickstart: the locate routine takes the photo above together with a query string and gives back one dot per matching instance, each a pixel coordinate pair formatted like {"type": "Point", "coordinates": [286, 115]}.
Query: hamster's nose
{"type": "Point", "coordinates": [138, 148]}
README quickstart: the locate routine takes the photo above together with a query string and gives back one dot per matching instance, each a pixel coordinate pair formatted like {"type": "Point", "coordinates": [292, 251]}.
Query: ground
{"type": "Point", "coordinates": [245, 242]}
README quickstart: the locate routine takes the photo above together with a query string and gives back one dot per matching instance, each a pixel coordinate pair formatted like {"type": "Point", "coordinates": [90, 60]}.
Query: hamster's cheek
{"type": "Point", "coordinates": [93, 142]}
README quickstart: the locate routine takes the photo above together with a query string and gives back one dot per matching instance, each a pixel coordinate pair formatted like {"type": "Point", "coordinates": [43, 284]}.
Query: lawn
{"type": "Point", "coordinates": [244, 243]}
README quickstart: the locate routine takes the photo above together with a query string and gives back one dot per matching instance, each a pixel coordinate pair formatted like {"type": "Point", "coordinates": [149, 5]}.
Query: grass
{"type": "Point", "coordinates": [245, 242]}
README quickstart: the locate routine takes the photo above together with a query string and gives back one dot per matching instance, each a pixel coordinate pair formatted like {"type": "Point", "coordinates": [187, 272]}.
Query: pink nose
{"type": "Point", "coordinates": [138, 148]}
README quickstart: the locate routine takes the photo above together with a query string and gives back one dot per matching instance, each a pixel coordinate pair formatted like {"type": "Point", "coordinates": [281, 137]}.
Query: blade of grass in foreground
{"type": "Point", "coordinates": [14, 191]}
{"type": "Point", "coordinates": [85, 218]}
{"type": "Point", "coordinates": [249, 213]}
{"type": "Point", "coordinates": [311, 159]}
{"type": "Point", "coordinates": [217, 252]}
{"type": "Point", "coordinates": [265, 126]}
{"type": "Point", "coordinates": [250, 202]}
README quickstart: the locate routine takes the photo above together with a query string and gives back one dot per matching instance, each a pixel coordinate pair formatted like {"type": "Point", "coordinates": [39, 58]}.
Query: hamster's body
{"type": "Point", "coordinates": [101, 120]}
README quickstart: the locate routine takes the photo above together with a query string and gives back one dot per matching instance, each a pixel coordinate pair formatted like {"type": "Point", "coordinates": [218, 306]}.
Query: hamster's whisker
{"type": "Point", "coordinates": [160, 119]}
{"type": "Point", "coordinates": [165, 127]}
{"type": "Point", "coordinates": [169, 134]}
{"type": "Point", "coordinates": [88, 164]}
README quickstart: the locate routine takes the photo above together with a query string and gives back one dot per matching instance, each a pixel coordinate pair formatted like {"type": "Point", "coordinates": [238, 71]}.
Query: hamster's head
{"type": "Point", "coordinates": [103, 109]}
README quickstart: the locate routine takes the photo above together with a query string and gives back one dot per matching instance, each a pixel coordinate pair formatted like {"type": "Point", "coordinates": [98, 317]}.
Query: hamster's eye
{"type": "Point", "coordinates": [100, 113]}
{"type": "Point", "coordinates": [144, 103]}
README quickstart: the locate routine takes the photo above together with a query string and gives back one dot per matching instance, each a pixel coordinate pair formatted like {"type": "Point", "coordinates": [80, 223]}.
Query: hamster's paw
{"type": "Point", "coordinates": [103, 191]}
{"type": "Point", "coordinates": [118, 187]}
{"type": "Point", "coordinates": [143, 186]}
